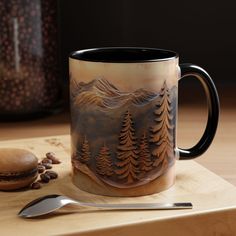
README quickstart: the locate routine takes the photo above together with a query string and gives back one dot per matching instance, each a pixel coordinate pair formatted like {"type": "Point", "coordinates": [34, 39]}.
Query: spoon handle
{"type": "Point", "coordinates": [140, 206]}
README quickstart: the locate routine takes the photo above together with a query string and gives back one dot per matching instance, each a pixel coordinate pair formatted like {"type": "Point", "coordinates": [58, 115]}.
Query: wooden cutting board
{"type": "Point", "coordinates": [214, 201]}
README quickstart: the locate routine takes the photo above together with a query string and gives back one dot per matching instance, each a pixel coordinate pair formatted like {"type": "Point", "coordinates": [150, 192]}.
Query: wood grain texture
{"type": "Point", "coordinates": [213, 198]}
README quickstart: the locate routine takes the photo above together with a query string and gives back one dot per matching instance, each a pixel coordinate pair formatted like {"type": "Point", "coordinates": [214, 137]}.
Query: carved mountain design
{"type": "Point", "coordinates": [122, 139]}
{"type": "Point", "coordinates": [102, 93]}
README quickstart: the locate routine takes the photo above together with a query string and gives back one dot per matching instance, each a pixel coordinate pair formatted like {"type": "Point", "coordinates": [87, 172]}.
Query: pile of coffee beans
{"type": "Point", "coordinates": [29, 61]}
{"type": "Point", "coordinates": [43, 169]}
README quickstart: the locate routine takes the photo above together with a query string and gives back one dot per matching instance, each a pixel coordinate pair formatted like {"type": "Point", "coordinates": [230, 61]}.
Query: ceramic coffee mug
{"type": "Point", "coordinates": [123, 119]}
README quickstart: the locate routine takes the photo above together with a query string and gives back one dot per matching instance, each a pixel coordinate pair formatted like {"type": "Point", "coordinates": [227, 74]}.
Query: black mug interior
{"type": "Point", "coordinates": [123, 54]}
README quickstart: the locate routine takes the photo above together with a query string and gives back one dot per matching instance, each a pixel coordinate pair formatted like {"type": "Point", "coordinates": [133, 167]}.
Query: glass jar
{"type": "Point", "coordinates": [29, 58]}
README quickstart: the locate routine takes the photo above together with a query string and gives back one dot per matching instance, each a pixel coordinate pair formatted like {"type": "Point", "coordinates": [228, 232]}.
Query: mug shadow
{"type": "Point", "coordinates": [180, 177]}
{"type": "Point", "coordinates": [67, 188]}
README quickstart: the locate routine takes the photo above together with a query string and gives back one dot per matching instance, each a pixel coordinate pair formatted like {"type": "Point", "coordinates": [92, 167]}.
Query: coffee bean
{"type": "Point", "coordinates": [52, 156]}
{"type": "Point", "coordinates": [41, 168]}
{"type": "Point", "coordinates": [47, 165]}
{"type": "Point", "coordinates": [45, 178]}
{"type": "Point", "coordinates": [52, 174]}
{"type": "Point", "coordinates": [35, 185]}
{"type": "Point", "coordinates": [46, 160]}
{"type": "Point", "coordinates": [56, 161]}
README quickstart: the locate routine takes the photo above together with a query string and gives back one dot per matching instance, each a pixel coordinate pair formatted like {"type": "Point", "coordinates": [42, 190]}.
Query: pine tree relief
{"type": "Point", "coordinates": [127, 153]}
{"type": "Point", "coordinates": [85, 152]}
{"type": "Point", "coordinates": [144, 154]}
{"type": "Point", "coordinates": [76, 156]}
{"type": "Point", "coordinates": [162, 131]}
{"type": "Point", "coordinates": [103, 162]}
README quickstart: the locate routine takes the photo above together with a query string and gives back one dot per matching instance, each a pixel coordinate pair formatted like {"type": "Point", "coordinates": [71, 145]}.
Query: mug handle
{"type": "Point", "coordinates": [213, 111]}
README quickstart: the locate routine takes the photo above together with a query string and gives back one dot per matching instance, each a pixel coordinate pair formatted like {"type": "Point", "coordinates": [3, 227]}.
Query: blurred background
{"type": "Point", "coordinates": [202, 32]}
{"type": "Point", "coordinates": [36, 38]}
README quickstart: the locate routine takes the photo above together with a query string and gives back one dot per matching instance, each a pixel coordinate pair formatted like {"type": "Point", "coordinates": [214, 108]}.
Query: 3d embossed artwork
{"type": "Point", "coordinates": [122, 137]}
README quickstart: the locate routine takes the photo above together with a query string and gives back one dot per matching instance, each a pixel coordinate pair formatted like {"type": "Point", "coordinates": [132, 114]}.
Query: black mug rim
{"type": "Point", "coordinates": [124, 55]}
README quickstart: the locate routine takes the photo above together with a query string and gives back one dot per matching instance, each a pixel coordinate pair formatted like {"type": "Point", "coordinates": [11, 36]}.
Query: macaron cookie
{"type": "Point", "coordinates": [18, 168]}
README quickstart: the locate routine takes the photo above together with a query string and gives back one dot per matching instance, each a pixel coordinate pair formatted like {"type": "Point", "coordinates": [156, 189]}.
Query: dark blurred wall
{"type": "Point", "coordinates": [203, 32]}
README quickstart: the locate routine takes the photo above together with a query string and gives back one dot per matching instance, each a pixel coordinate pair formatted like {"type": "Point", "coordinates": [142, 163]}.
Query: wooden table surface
{"type": "Point", "coordinates": [213, 199]}
{"type": "Point", "coordinates": [220, 158]}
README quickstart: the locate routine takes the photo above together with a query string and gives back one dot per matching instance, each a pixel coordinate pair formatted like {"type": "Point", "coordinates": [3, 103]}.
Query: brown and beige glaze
{"type": "Point", "coordinates": [123, 120]}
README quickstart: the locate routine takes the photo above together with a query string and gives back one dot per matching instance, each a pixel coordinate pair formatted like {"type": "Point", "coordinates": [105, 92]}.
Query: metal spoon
{"type": "Point", "coordinates": [49, 203]}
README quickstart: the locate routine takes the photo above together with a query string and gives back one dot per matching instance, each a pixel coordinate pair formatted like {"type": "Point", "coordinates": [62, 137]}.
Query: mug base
{"type": "Point", "coordinates": [84, 182]}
